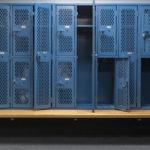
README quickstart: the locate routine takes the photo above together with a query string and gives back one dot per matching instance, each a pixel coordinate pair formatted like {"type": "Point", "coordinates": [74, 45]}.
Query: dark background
{"type": "Point", "coordinates": [75, 134]}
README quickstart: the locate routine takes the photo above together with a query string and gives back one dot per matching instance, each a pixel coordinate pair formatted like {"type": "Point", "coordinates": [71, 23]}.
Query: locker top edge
{"type": "Point", "coordinates": [79, 1]}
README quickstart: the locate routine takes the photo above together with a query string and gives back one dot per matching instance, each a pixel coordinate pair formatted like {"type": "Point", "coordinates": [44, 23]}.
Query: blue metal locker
{"type": "Point", "coordinates": [65, 82]}
{"type": "Point", "coordinates": [145, 30]}
{"type": "Point", "coordinates": [106, 31]}
{"type": "Point", "coordinates": [42, 57]}
{"type": "Point", "coordinates": [65, 32]}
{"type": "Point", "coordinates": [22, 82]}
{"type": "Point", "coordinates": [4, 56]}
{"type": "Point", "coordinates": [122, 70]}
{"type": "Point", "coordinates": [22, 30]}
{"type": "Point", "coordinates": [127, 30]}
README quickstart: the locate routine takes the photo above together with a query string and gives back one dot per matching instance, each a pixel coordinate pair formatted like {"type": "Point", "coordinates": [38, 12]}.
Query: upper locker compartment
{"type": "Point", "coordinates": [144, 34]}
{"type": "Point", "coordinates": [106, 31]}
{"type": "Point", "coordinates": [4, 56]}
{"type": "Point", "coordinates": [42, 57]}
{"type": "Point", "coordinates": [65, 30]}
{"type": "Point", "coordinates": [22, 30]}
{"type": "Point", "coordinates": [127, 30]}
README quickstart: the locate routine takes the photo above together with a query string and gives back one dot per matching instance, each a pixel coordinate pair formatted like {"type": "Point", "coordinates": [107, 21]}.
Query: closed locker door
{"type": "Point", "coordinates": [145, 30]}
{"type": "Point", "coordinates": [22, 74]}
{"type": "Point", "coordinates": [122, 84]}
{"type": "Point", "coordinates": [65, 82]}
{"type": "Point", "coordinates": [4, 56]}
{"type": "Point", "coordinates": [106, 31]}
{"type": "Point", "coordinates": [127, 30]}
{"type": "Point", "coordinates": [65, 32]}
{"type": "Point", "coordinates": [42, 57]}
{"type": "Point", "coordinates": [22, 30]}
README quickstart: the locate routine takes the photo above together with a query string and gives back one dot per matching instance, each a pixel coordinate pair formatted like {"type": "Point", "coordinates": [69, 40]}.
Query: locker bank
{"type": "Point", "coordinates": [75, 58]}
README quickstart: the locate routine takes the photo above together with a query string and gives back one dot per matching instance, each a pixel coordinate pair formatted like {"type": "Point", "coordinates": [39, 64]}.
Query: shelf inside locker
{"type": "Point", "coordinates": [84, 15]}
{"type": "Point", "coordinates": [84, 26]}
{"type": "Point", "coordinates": [145, 82]}
{"type": "Point", "coordinates": [105, 82]}
{"type": "Point", "coordinates": [84, 67]}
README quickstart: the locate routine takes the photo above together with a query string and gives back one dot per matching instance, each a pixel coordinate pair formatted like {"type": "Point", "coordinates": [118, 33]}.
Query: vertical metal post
{"type": "Point", "coordinates": [93, 59]}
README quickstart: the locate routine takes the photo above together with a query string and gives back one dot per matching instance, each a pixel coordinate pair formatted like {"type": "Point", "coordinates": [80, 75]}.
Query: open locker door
{"type": "Point", "coordinates": [122, 84]}
{"type": "Point", "coordinates": [42, 57]}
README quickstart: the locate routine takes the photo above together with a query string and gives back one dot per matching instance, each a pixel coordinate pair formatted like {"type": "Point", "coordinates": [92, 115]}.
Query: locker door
{"type": "Point", "coordinates": [42, 58]}
{"type": "Point", "coordinates": [145, 30]}
{"type": "Point", "coordinates": [65, 32]}
{"type": "Point", "coordinates": [106, 31]}
{"type": "Point", "coordinates": [127, 30]}
{"type": "Point", "coordinates": [22, 30]}
{"type": "Point", "coordinates": [4, 56]}
{"type": "Point", "coordinates": [22, 82]}
{"type": "Point", "coordinates": [122, 84]}
{"type": "Point", "coordinates": [65, 82]}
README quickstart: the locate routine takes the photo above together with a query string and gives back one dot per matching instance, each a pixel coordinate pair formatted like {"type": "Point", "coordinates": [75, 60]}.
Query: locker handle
{"type": "Point", "coordinates": [145, 34]}
{"type": "Point", "coordinates": [38, 57]}
{"type": "Point", "coordinates": [104, 30]}
{"type": "Point", "coordinates": [125, 84]}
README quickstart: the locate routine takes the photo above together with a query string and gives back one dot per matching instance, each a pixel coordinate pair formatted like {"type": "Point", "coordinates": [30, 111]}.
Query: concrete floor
{"type": "Point", "coordinates": [69, 134]}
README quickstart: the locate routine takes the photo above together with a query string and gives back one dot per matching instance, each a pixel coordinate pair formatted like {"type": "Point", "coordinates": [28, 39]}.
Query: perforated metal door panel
{"type": "Point", "coordinates": [4, 56]}
{"type": "Point", "coordinates": [42, 57]}
{"type": "Point", "coordinates": [22, 30]}
{"type": "Point", "coordinates": [132, 81]}
{"type": "Point", "coordinates": [122, 84]}
{"type": "Point", "coordinates": [127, 30]}
{"type": "Point", "coordinates": [65, 33]}
{"type": "Point", "coordinates": [106, 31]}
{"type": "Point", "coordinates": [65, 82]}
{"type": "Point", "coordinates": [22, 81]}
{"type": "Point", "coordinates": [145, 29]}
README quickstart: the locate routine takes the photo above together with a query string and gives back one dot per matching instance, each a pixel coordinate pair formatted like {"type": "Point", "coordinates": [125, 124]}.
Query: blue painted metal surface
{"type": "Point", "coordinates": [4, 57]}
{"type": "Point", "coordinates": [65, 32]}
{"type": "Point", "coordinates": [127, 30]}
{"type": "Point", "coordinates": [22, 82]}
{"type": "Point", "coordinates": [106, 31]}
{"type": "Point", "coordinates": [22, 30]}
{"type": "Point", "coordinates": [65, 82]}
{"type": "Point", "coordinates": [42, 57]}
{"type": "Point", "coordinates": [144, 35]}
{"type": "Point", "coordinates": [121, 96]}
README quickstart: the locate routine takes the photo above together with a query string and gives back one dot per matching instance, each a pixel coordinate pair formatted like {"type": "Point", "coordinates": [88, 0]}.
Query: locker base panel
{"type": "Point", "coordinates": [74, 114]}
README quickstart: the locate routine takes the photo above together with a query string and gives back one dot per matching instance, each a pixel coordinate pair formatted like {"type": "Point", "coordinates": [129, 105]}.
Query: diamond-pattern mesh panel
{"type": "Point", "coordinates": [3, 30]}
{"type": "Point", "coordinates": [43, 86]}
{"type": "Point", "coordinates": [147, 16]}
{"type": "Point", "coordinates": [64, 96]}
{"type": "Point", "coordinates": [122, 74]}
{"type": "Point", "coordinates": [132, 81]}
{"type": "Point", "coordinates": [128, 30]}
{"type": "Point", "coordinates": [106, 43]}
{"type": "Point", "coordinates": [22, 44]}
{"type": "Point", "coordinates": [107, 17]}
{"type": "Point", "coordinates": [21, 69]}
{"type": "Point", "coordinates": [65, 16]}
{"type": "Point", "coordinates": [21, 96]}
{"type": "Point", "coordinates": [65, 44]}
{"type": "Point", "coordinates": [3, 83]}
{"type": "Point", "coordinates": [43, 29]}
{"type": "Point", "coordinates": [65, 69]}
{"type": "Point", "coordinates": [21, 16]}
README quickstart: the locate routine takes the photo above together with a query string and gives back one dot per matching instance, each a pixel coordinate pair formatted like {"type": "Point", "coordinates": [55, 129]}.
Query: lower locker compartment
{"type": "Point", "coordinates": [22, 83]}
{"type": "Point", "coordinates": [84, 68]}
{"type": "Point", "coordinates": [112, 84]}
{"type": "Point", "coordinates": [145, 82]}
{"type": "Point", "coordinates": [4, 83]}
{"type": "Point", "coordinates": [65, 83]}
{"type": "Point", "coordinates": [105, 83]}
